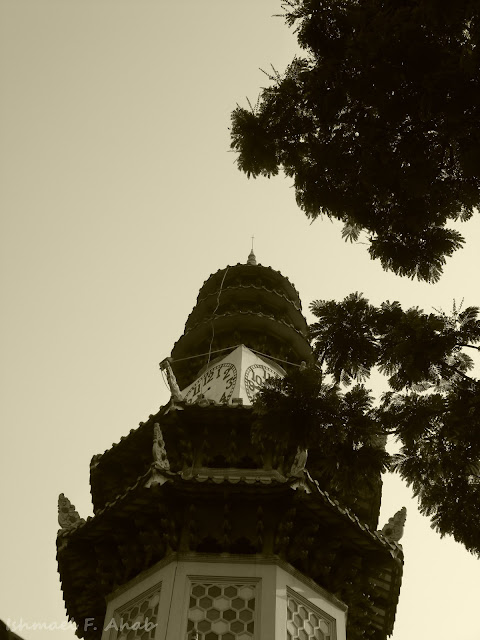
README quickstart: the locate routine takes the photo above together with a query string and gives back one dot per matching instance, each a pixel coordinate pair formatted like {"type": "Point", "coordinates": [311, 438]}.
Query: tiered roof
{"type": "Point", "coordinates": [242, 304]}
{"type": "Point", "coordinates": [192, 480]}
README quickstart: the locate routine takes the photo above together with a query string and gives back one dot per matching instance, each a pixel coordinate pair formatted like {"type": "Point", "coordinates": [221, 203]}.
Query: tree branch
{"type": "Point", "coordinates": [470, 346]}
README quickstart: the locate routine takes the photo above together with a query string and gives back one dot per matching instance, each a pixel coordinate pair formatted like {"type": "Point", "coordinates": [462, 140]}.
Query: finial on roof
{"type": "Point", "coordinates": [172, 381]}
{"type": "Point", "coordinates": [393, 530]}
{"type": "Point", "coordinates": [67, 516]}
{"type": "Point", "coordinates": [251, 258]}
{"type": "Point", "coordinates": [298, 466]}
{"type": "Point", "coordinates": [159, 452]}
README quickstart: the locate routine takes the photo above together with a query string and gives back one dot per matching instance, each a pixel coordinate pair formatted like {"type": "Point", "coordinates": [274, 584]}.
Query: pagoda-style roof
{"type": "Point", "coordinates": [219, 493]}
{"type": "Point", "coordinates": [244, 274]}
{"type": "Point", "coordinates": [252, 512]}
{"type": "Point", "coordinates": [242, 304]}
{"type": "Point", "coordinates": [195, 481]}
{"type": "Point", "coordinates": [214, 436]}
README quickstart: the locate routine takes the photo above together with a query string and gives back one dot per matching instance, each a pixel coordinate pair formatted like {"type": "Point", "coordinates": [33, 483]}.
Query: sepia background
{"type": "Point", "coordinates": [119, 197]}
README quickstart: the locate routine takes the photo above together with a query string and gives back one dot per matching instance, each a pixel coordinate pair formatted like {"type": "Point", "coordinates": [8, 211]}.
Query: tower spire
{"type": "Point", "coordinates": [251, 258]}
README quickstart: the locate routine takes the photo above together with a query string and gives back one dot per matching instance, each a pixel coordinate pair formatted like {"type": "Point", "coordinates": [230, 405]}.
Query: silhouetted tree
{"type": "Point", "coordinates": [377, 123]}
{"type": "Point", "coordinates": [433, 409]}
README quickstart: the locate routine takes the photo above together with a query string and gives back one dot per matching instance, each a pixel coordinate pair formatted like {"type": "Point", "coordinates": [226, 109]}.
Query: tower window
{"type": "Point", "coordinates": [222, 610]}
{"type": "Point", "coordinates": [307, 622]}
{"type": "Point", "coordinates": [137, 619]}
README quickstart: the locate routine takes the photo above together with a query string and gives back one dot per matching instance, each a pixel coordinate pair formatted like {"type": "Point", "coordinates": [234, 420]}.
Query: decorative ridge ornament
{"type": "Point", "coordinates": [393, 530]}
{"type": "Point", "coordinates": [159, 452]}
{"type": "Point", "coordinates": [171, 379]}
{"type": "Point", "coordinates": [298, 466]}
{"type": "Point", "coordinates": [298, 474]}
{"type": "Point", "coordinates": [67, 516]}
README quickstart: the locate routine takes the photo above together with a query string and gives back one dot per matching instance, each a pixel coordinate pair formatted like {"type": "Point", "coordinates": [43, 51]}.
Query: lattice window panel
{"type": "Point", "coordinates": [222, 611]}
{"type": "Point", "coordinates": [306, 622]}
{"type": "Point", "coordinates": [137, 620]}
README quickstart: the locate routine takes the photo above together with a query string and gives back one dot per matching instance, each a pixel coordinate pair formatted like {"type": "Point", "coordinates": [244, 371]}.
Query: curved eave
{"type": "Point", "coordinates": [86, 573]}
{"type": "Point", "coordinates": [198, 337]}
{"type": "Point", "coordinates": [258, 287]}
{"type": "Point", "coordinates": [247, 477]}
{"type": "Point", "coordinates": [247, 293]}
{"type": "Point", "coordinates": [127, 459]}
{"type": "Point", "coordinates": [271, 275]}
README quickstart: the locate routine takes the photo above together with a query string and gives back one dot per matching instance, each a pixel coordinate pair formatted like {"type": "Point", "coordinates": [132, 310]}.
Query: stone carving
{"type": "Point", "coordinates": [67, 516]}
{"type": "Point", "coordinates": [159, 452]}
{"type": "Point", "coordinates": [298, 466]}
{"type": "Point", "coordinates": [393, 530]}
{"type": "Point", "coordinates": [172, 381]}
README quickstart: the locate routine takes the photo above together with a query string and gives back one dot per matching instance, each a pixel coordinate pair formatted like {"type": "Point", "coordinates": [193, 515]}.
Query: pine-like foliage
{"type": "Point", "coordinates": [433, 409]}
{"type": "Point", "coordinates": [377, 124]}
{"type": "Point", "coordinates": [440, 456]}
{"type": "Point", "coordinates": [339, 428]}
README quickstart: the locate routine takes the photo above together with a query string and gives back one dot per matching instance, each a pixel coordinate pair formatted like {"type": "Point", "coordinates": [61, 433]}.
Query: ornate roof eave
{"type": "Point", "coordinates": [162, 414]}
{"type": "Point", "coordinates": [258, 287]}
{"type": "Point", "coordinates": [244, 304]}
{"type": "Point", "coordinates": [275, 274]}
{"type": "Point", "coordinates": [139, 439]}
{"type": "Point", "coordinates": [306, 489]}
{"type": "Point", "coordinates": [239, 312]}
{"type": "Point", "coordinates": [120, 466]}
{"type": "Point", "coordinates": [237, 324]}
{"type": "Point", "coordinates": [394, 549]}
{"type": "Point", "coordinates": [160, 492]}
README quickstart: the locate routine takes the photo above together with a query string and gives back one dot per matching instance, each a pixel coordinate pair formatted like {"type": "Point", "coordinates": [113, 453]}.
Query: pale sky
{"type": "Point", "coordinates": [119, 197]}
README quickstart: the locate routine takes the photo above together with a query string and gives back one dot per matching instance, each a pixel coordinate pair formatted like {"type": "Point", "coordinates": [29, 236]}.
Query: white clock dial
{"type": "Point", "coordinates": [217, 383]}
{"type": "Point", "coordinates": [255, 376]}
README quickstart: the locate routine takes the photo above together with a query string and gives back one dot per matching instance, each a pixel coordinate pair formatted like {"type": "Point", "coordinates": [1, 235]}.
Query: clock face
{"type": "Point", "coordinates": [217, 383]}
{"type": "Point", "coordinates": [255, 376]}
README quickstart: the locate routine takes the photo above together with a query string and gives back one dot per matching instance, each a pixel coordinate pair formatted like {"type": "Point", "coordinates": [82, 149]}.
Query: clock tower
{"type": "Point", "coordinates": [234, 378]}
{"type": "Point", "coordinates": [200, 531]}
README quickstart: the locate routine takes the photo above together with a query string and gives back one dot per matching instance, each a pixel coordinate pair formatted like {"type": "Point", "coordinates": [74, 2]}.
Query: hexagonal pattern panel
{"type": "Point", "coordinates": [138, 619]}
{"type": "Point", "coordinates": [222, 611]}
{"type": "Point", "coordinates": [307, 623]}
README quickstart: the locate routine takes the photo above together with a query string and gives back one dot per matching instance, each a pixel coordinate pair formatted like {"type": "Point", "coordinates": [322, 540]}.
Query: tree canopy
{"type": "Point", "coordinates": [377, 123]}
{"type": "Point", "coordinates": [432, 409]}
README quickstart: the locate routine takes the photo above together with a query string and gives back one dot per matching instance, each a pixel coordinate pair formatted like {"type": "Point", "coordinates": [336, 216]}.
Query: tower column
{"type": "Point", "coordinates": [229, 598]}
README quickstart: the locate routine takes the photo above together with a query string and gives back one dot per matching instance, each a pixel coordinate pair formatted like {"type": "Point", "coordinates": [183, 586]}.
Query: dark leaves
{"type": "Point", "coordinates": [344, 336]}
{"type": "Point", "coordinates": [410, 347]}
{"type": "Point", "coordinates": [440, 457]}
{"type": "Point", "coordinates": [341, 431]}
{"type": "Point", "coordinates": [257, 155]}
{"type": "Point", "coordinates": [377, 124]}
{"type": "Point", "coordinates": [437, 417]}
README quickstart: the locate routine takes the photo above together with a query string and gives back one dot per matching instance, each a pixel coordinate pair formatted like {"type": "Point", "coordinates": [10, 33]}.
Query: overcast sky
{"type": "Point", "coordinates": [119, 197]}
